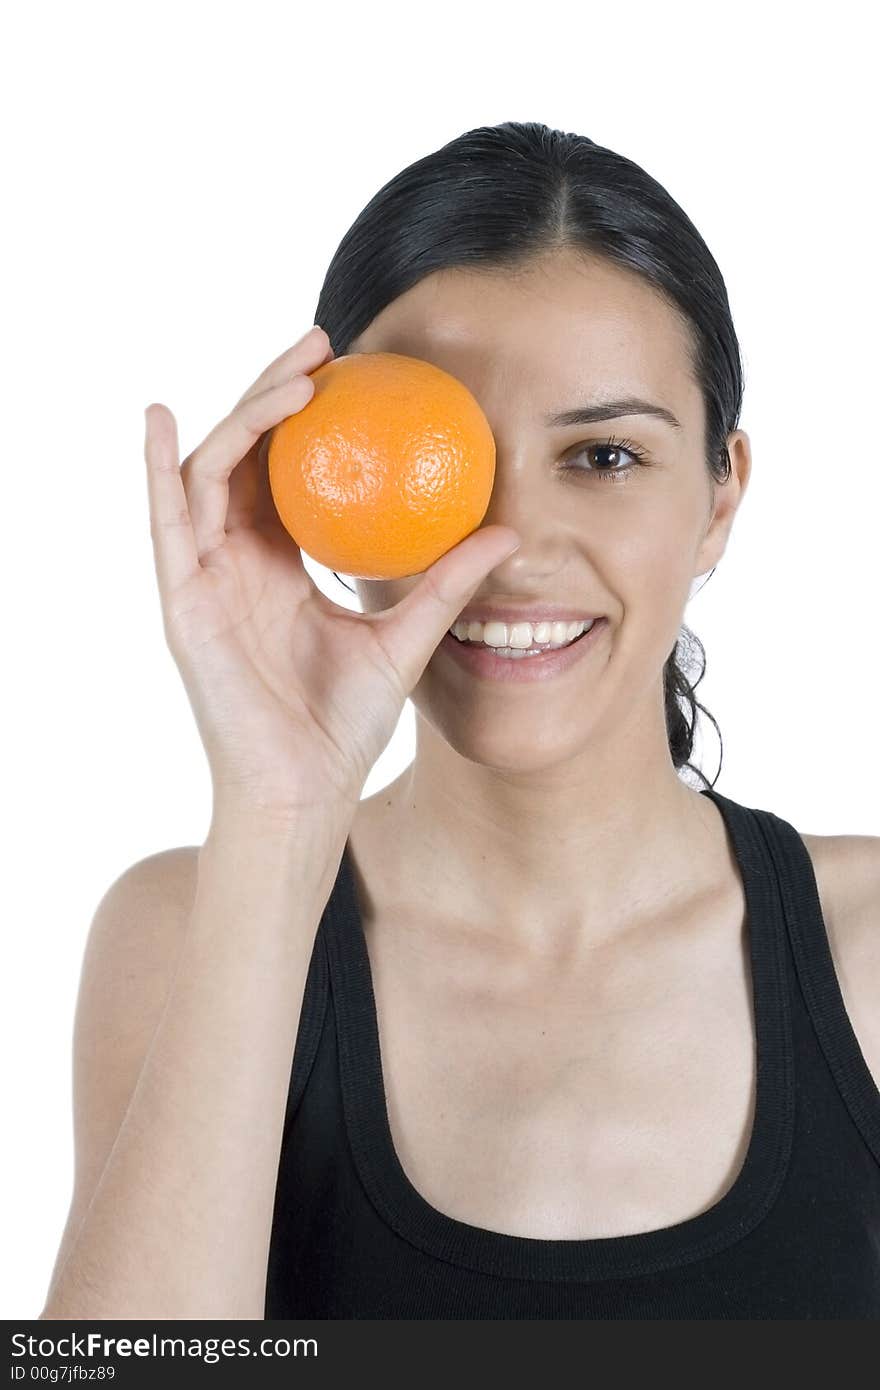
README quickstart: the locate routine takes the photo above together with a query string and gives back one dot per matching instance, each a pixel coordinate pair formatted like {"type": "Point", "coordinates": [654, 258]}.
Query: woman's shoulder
{"type": "Point", "coordinates": [128, 963]}
{"type": "Point", "coordinates": [847, 872]}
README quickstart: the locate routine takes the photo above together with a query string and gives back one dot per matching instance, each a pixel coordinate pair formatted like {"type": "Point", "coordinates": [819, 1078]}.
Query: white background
{"type": "Point", "coordinates": [177, 178]}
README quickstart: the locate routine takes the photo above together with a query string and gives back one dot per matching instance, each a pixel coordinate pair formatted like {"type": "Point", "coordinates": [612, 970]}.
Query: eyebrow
{"type": "Point", "coordinates": [611, 410]}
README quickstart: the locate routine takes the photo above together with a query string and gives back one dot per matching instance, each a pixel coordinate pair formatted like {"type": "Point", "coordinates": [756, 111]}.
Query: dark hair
{"type": "Point", "coordinates": [499, 196]}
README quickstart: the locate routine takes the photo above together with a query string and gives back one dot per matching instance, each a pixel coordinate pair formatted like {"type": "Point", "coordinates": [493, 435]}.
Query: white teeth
{"type": "Point", "coordinates": [516, 638]}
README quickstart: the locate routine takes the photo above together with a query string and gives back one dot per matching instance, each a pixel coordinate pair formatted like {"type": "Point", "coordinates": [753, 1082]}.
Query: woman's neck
{"type": "Point", "coordinates": [558, 858]}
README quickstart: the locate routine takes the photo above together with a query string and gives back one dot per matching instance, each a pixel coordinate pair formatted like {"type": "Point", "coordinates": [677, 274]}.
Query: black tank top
{"type": "Point", "coordinates": [797, 1235]}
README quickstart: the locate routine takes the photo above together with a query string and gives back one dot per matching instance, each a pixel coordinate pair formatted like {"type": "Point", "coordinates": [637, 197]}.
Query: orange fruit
{"type": "Point", "coordinates": [389, 465]}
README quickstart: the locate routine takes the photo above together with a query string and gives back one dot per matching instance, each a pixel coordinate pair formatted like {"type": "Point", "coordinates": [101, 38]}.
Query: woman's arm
{"type": "Point", "coordinates": [180, 1221]}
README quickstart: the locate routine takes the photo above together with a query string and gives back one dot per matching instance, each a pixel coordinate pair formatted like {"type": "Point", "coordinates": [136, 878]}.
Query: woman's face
{"type": "Point", "coordinates": [569, 332]}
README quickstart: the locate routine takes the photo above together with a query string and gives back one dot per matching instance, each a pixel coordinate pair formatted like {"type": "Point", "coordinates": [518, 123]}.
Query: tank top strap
{"type": "Point", "coordinates": [817, 976]}
{"type": "Point", "coordinates": [311, 1023]}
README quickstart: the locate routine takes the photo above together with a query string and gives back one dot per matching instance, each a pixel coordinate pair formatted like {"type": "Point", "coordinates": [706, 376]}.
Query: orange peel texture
{"type": "Point", "coordinates": [389, 465]}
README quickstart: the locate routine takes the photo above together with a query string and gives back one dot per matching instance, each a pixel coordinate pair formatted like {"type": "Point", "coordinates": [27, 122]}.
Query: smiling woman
{"type": "Point", "coordinates": [540, 1030]}
{"type": "Point", "coordinates": [542, 198]}
{"type": "Point", "coordinates": [500, 1146]}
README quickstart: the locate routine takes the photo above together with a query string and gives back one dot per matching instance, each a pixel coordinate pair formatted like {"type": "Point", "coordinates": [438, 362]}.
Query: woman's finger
{"type": "Point", "coordinates": [250, 502]}
{"type": "Point", "coordinates": [207, 486]}
{"type": "Point", "coordinates": [174, 547]}
{"type": "Point", "coordinates": [303, 356]}
{"type": "Point", "coordinates": [207, 471]}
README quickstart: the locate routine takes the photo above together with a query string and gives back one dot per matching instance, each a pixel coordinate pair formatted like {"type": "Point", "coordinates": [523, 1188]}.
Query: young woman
{"type": "Point", "coordinates": [541, 1030]}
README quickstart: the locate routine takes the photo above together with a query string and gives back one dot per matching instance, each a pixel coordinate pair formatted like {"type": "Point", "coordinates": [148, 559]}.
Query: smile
{"type": "Point", "coordinates": [485, 663]}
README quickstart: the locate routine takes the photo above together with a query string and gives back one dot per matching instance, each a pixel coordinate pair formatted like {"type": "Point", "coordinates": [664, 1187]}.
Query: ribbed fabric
{"type": "Point", "coordinates": [797, 1235]}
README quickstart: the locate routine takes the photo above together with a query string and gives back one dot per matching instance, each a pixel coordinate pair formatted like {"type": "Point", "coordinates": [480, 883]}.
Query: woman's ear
{"type": "Point", "coordinates": [725, 501]}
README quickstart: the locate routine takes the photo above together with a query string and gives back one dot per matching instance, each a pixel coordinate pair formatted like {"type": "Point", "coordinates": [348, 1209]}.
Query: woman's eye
{"type": "Point", "coordinates": [608, 460]}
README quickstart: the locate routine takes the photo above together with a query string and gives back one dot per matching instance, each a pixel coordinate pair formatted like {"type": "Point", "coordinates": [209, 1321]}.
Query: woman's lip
{"type": "Point", "coordinates": [480, 661]}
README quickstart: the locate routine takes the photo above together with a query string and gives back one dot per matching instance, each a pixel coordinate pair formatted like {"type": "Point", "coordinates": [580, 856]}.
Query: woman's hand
{"type": "Point", "coordinates": [294, 696]}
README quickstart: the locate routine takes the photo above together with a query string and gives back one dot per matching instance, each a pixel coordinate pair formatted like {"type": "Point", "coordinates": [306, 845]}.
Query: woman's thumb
{"type": "Point", "coordinates": [414, 627]}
